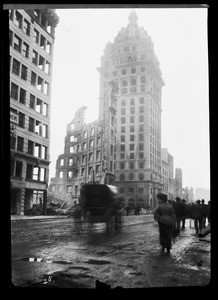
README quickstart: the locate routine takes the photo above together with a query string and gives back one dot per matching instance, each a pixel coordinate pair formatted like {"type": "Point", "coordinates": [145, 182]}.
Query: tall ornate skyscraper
{"type": "Point", "coordinates": [130, 62]}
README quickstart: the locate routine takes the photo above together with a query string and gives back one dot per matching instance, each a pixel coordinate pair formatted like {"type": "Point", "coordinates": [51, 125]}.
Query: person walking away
{"type": "Point", "coordinates": [204, 211]}
{"type": "Point", "coordinates": [177, 208]}
{"type": "Point", "coordinates": [164, 214]}
{"type": "Point", "coordinates": [184, 212]}
{"type": "Point", "coordinates": [196, 213]}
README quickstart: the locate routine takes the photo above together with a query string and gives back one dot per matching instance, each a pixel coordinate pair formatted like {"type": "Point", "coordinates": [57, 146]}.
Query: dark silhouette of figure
{"type": "Point", "coordinates": [164, 214]}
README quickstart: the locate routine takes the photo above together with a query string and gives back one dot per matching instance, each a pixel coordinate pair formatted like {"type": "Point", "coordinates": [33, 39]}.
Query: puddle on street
{"type": "Point", "coordinates": [98, 262]}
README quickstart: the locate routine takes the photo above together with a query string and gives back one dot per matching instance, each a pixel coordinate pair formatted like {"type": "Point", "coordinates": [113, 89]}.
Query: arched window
{"type": "Point", "coordinates": [122, 177]}
{"type": "Point", "coordinates": [131, 176]}
{"type": "Point", "coordinates": [141, 176]}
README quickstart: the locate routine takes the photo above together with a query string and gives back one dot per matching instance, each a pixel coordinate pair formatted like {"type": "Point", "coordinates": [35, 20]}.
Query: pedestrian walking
{"type": "Point", "coordinates": [164, 214]}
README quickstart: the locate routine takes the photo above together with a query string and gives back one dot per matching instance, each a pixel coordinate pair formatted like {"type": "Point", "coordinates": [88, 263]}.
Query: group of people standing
{"type": "Point", "coordinates": [170, 215]}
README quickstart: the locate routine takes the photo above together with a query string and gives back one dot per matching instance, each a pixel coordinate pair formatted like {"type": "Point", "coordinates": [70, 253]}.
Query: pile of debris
{"type": "Point", "coordinates": [55, 207]}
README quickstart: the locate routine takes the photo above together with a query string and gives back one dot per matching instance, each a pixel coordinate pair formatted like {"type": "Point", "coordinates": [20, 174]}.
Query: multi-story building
{"type": "Point", "coordinates": [178, 183]}
{"type": "Point", "coordinates": [167, 173]}
{"type": "Point", "coordinates": [88, 153]}
{"type": "Point", "coordinates": [130, 68]}
{"type": "Point", "coordinates": [31, 56]}
{"type": "Point", "coordinates": [132, 64]}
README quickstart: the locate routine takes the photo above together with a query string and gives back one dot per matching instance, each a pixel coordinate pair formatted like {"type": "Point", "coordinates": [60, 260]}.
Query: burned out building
{"type": "Point", "coordinates": [88, 153]}
{"type": "Point", "coordinates": [32, 34]}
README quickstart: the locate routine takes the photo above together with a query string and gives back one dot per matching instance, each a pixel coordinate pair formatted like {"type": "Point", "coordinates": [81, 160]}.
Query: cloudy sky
{"type": "Point", "coordinates": [180, 43]}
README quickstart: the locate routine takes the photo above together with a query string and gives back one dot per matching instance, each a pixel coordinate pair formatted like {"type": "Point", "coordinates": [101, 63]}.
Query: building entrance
{"type": "Point", "coordinates": [15, 201]}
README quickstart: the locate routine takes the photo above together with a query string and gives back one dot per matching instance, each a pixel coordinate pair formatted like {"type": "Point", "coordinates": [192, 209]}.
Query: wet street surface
{"type": "Point", "coordinates": [51, 253]}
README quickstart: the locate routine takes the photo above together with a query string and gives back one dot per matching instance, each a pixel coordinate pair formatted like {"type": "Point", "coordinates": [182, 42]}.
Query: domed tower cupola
{"type": "Point", "coordinates": [133, 17]}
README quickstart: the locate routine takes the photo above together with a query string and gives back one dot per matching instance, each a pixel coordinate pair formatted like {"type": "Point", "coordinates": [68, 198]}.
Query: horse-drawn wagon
{"type": "Point", "coordinates": [98, 204]}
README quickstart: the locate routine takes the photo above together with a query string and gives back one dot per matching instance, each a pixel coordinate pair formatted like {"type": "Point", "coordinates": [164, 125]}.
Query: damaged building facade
{"type": "Point", "coordinates": [134, 157]}
{"type": "Point", "coordinates": [31, 57]}
{"type": "Point", "coordinates": [88, 152]}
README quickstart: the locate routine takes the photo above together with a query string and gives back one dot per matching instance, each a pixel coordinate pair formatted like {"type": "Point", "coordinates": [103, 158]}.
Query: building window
{"type": "Point", "coordinates": [45, 109]}
{"type": "Point", "coordinates": [44, 152]}
{"type": "Point", "coordinates": [132, 110]}
{"type": "Point", "coordinates": [132, 101]}
{"type": "Point", "coordinates": [26, 27]}
{"type": "Point", "coordinates": [141, 146]}
{"type": "Point", "coordinates": [41, 62]}
{"type": "Point", "coordinates": [70, 163]}
{"type": "Point", "coordinates": [35, 57]}
{"type": "Point", "coordinates": [18, 19]}
{"type": "Point", "coordinates": [123, 111]}
{"type": "Point", "coordinates": [33, 78]}
{"type": "Point", "coordinates": [132, 137]}
{"type": "Point", "coordinates": [141, 137]}
{"type": "Point", "coordinates": [122, 147]}
{"type": "Point", "coordinates": [131, 176]}
{"type": "Point", "coordinates": [21, 120]}
{"type": "Point", "coordinates": [131, 155]}
{"type": "Point", "coordinates": [122, 165]}
{"type": "Point", "coordinates": [16, 67]}
{"type": "Point", "coordinates": [20, 144]}
{"type": "Point", "coordinates": [46, 88]}
{"type": "Point", "coordinates": [123, 72]}
{"type": "Point", "coordinates": [31, 124]}
{"type": "Point", "coordinates": [122, 155]}
{"type": "Point", "coordinates": [24, 72]}
{"type": "Point", "coordinates": [141, 164]}
{"type": "Point", "coordinates": [36, 36]}
{"type": "Point", "coordinates": [40, 83]}
{"type": "Point", "coordinates": [131, 146]}
{"type": "Point", "coordinates": [32, 101]}
{"type": "Point", "coordinates": [143, 79]}
{"type": "Point", "coordinates": [131, 190]}
{"type": "Point", "coordinates": [36, 173]}
{"type": "Point", "coordinates": [123, 120]}
{"type": "Point", "coordinates": [132, 165]}
{"type": "Point", "coordinates": [18, 169]}
{"type": "Point", "coordinates": [61, 173]}
{"type": "Point", "coordinates": [44, 131]}
{"type": "Point", "coordinates": [61, 162]}
{"type": "Point", "coordinates": [122, 177]}
{"type": "Point", "coordinates": [132, 128]}
{"type": "Point", "coordinates": [47, 67]}
{"type": "Point", "coordinates": [141, 190]}
{"type": "Point", "coordinates": [25, 50]}
{"type": "Point", "coordinates": [141, 118]}
{"type": "Point", "coordinates": [43, 42]}
{"type": "Point", "coordinates": [122, 129]}
{"type": "Point", "coordinates": [39, 105]}
{"type": "Point", "coordinates": [13, 142]}
{"type": "Point", "coordinates": [14, 91]}
{"type": "Point", "coordinates": [141, 154]}
{"type": "Point", "coordinates": [142, 69]}
{"type": "Point", "coordinates": [141, 176]}
{"type": "Point", "coordinates": [141, 127]}
{"type": "Point", "coordinates": [122, 138]}
{"type": "Point", "coordinates": [133, 70]}
{"type": "Point", "coordinates": [17, 43]}
{"type": "Point", "coordinates": [141, 100]}
{"type": "Point", "coordinates": [22, 96]}
{"type": "Point", "coordinates": [48, 47]}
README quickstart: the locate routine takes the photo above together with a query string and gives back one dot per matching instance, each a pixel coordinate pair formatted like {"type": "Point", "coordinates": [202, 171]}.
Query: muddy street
{"type": "Point", "coordinates": [50, 253]}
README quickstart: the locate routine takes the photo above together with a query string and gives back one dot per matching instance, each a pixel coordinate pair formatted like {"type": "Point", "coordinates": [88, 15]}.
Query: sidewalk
{"type": "Point", "coordinates": [40, 217]}
{"type": "Point", "coordinates": [127, 220]}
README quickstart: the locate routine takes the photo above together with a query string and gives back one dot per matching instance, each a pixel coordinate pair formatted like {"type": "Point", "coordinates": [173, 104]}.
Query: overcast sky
{"type": "Point", "coordinates": [180, 43]}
